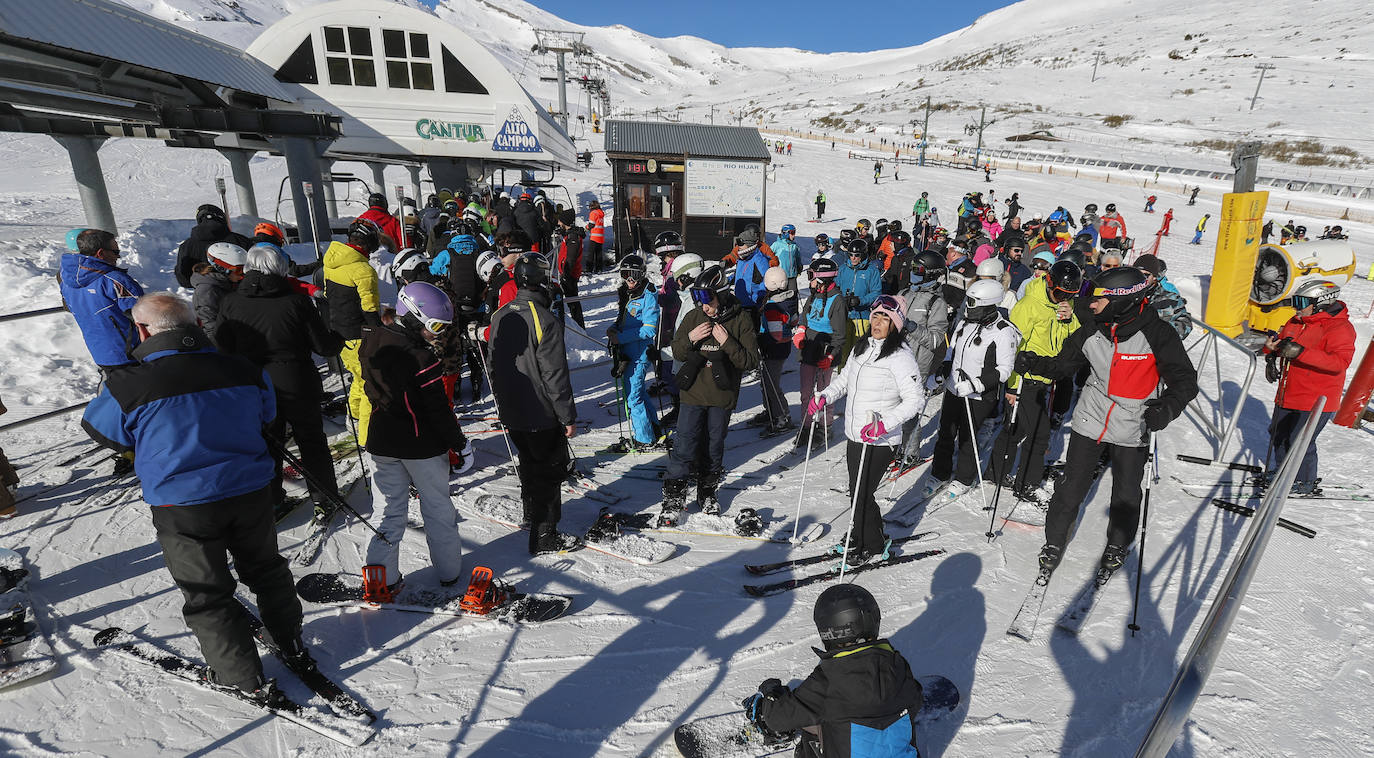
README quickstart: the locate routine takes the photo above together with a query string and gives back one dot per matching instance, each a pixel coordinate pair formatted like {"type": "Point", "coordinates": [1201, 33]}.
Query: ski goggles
{"type": "Point", "coordinates": [703, 295]}
{"type": "Point", "coordinates": [885, 302]}
{"type": "Point", "coordinates": [1039, 264]}
{"type": "Point", "coordinates": [432, 325]}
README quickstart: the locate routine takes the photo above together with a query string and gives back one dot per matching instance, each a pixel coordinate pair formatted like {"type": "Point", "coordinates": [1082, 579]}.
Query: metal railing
{"type": "Point", "coordinates": [1215, 417]}
{"type": "Point", "coordinates": [31, 314]}
{"type": "Point", "coordinates": [1211, 636]}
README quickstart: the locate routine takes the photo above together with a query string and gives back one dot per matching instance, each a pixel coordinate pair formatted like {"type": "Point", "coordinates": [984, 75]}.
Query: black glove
{"type": "Point", "coordinates": [1024, 362]}
{"type": "Point", "coordinates": [1272, 372]}
{"type": "Point", "coordinates": [1156, 414]}
{"type": "Point", "coordinates": [851, 302]}
{"type": "Point", "coordinates": [1288, 349]}
{"type": "Point", "coordinates": [772, 689]}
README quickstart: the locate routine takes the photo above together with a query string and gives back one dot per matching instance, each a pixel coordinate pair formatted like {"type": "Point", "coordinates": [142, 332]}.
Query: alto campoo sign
{"type": "Point", "coordinates": [516, 136]}
{"type": "Point", "coordinates": [429, 128]}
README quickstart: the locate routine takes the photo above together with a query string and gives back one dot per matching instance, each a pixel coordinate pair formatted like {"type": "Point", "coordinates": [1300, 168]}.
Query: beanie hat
{"type": "Point", "coordinates": [1150, 263]}
{"type": "Point", "coordinates": [892, 306]}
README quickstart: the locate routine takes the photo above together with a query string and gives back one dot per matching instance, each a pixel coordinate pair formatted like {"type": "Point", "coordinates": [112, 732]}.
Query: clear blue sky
{"type": "Point", "coordinates": [829, 26]}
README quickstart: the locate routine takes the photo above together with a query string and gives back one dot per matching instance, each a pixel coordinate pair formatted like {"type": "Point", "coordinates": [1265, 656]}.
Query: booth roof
{"type": "Point", "coordinates": [696, 140]}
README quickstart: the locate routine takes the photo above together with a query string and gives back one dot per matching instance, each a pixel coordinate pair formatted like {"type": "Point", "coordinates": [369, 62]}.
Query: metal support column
{"type": "Point", "coordinates": [243, 179]}
{"type": "Point", "coordinates": [90, 180]}
{"type": "Point", "coordinates": [331, 203]}
{"type": "Point", "coordinates": [562, 90]}
{"type": "Point", "coordinates": [416, 193]}
{"type": "Point", "coordinates": [378, 177]}
{"type": "Point", "coordinates": [303, 165]}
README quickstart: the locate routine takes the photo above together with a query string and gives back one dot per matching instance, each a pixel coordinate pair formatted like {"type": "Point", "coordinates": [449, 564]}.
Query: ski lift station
{"type": "Point", "coordinates": [357, 80]}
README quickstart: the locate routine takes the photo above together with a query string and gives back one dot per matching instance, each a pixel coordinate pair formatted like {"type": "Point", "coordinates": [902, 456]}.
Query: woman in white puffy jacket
{"type": "Point", "coordinates": [884, 387]}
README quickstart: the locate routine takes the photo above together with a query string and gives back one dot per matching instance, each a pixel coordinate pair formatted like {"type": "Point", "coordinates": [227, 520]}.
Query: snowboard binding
{"type": "Point", "coordinates": [13, 630]}
{"type": "Point", "coordinates": [748, 523]}
{"type": "Point", "coordinates": [606, 528]}
{"type": "Point", "coordinates": [484, 593]}
{"type": "Point", "coordinates": [375, 588]}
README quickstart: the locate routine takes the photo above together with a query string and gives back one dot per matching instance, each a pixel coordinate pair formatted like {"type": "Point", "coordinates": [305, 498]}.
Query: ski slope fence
{"type": "Point", "coordinates": [1211, 635]}
{"type": "Point", "coordinates": [1211, 412]}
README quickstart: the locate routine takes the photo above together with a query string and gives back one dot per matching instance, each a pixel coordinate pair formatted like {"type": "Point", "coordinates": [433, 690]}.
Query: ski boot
{"type": "Point", "coordinates": [759, 419]}
{"type": "Point", "coordinates": [606, 528]}
{"type": "Point", "coordinates": [674, 503]}
{"type": "Point", "coordinates": [296, 656]}
{"type": "Point", "coordinates": [324, 513]}
{"type": "Point", "coordinates": [545, 539]}
{"type": "Point", "coordinates": [1112, 559]}
{"type": "Point", "coordinates": [335, 407]}
{"type": "Point", "coordinates": [779, 427]}
{"type": "Point", "coordinates": [630, 445]}
{"type": "Point", "coordinates": [460, 461]}
{"type": "Point", "coordinates": [10, 578]}
{"type": "Point", "coordinates": [748, 523]}
{"type": "Point", "coordinates": [123, 465]}
{"type": "Point", "coordinates": [706, 493]}
{"type": "Point", "coordinates": [669, 419]}
{"type": "Point", "coordinates": [13, 630]}
{"type": "Point", "coordinates": [375, 588]}
{"type": "Point", "coordinates": [1306, 488]}
{"type": "Point", "coordinates": [1259, 481]}
{"type": "Point", "coordinates": [1050, 556]}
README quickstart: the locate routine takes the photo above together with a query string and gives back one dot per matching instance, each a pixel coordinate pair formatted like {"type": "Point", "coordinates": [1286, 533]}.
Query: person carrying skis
{"type": "Point", "coordinates": [413, 428]}
{"type": "Point", "coordinates": [716, 346]}
{"type": "Point", "coordinates": [775, 346]}
{"type": "Point", "coordinates": [1130, 352]}
{"type": "Point", "coordinates": [209, 485]}
{"type": "Point", "coordinates": [861, 699]}
{"type": "Point", "coordinates": [632, 339]}
{"type": "Point", "coordinates": [534, 399]}
{"type": "Point", "coordinates": [927, 324]}
{"type": "Point", "coordinates": [820, 205]}
{"type": "Point", "coordinates": [860, 280]}
{"type": "Point", "coordinates": [1308, 359]}
{"type": "Point", "coordinates": [277, 328]}
{"type": "Point", "coordinates": [819, 337]}
{"type": "Point", "coordinates": [979, 359]}
{"type": "Point", "coordinates": [350, 290]}
{"type": "Point", "coordinates": [1045, 318]}
{"type": "Point", "coordinates": [99, 296]}
{"type": "Point", "coordinates": [883, 386]}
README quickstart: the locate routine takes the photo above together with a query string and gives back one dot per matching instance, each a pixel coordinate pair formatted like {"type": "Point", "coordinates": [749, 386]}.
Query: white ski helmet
{"type": "Point", "coordinates": [487, 264]}
{"type": "Point", "coordinates": [774, 279]}
{"type": "Point", "coordinates": [991, 268]}
{"type": "Point", "coordinates": [226, 255]}
{"type": "Point", "coordinates": [984, 292]}
{"type": "Point", "coordinates": [686, 265]}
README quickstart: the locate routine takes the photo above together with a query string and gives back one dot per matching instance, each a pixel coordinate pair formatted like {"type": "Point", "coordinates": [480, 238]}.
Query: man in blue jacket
{"type": "Point", "coordinates": [861, 282]}
{"type": "Point", "coordinates": [633, 338]}
{"type": "Point", "coordinates": [99, 295]}
{"type": "Point", "coordinates": [789, 257]}
{"type": "Point", "coordinates": [196, 417]}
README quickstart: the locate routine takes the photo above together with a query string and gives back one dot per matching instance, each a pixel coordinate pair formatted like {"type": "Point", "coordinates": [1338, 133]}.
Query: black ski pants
{"type": "Point", "coordinates": [543, 467]}
{"type": "Point", "coordinates": [954, 430]}
{"type": "Point", "coordinates": [868, 520]}
{"type": "Point", "coordinates": [1033, 424]}
{"type": "Point", "coordinates": [197, 542]}
{"type": "Point", "coordinates": [307, 427]}
{"type": "Point", "coordinates": [699, 440]}
{"type": "Point", "coordinates": [574, 307]}
{"type": "Point", "coordinates": [1080, 461]}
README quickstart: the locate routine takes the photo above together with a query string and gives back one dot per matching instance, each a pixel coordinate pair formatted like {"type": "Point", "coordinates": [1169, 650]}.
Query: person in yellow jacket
{"type": "Point", "coordinates": [1045, 317]}
{"type": "Point", "coordinates": [350, 289]}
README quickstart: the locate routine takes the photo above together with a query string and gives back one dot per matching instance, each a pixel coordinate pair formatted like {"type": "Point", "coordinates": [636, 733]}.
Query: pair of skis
{"type": "Point", "coordinates": [777, 588]}
{"type": "Point", "coordinates": [1074, 616]}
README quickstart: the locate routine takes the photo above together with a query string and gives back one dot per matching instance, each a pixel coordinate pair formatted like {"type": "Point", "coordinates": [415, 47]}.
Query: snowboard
{"type": "Point", "coordinates": [634, 548]}
{"type": "Point", "coordinates": [729, 735]}
{"type": "Point", "coordinates": [514, 608]}
{"type": "Point", "coordinates": [25, 652]}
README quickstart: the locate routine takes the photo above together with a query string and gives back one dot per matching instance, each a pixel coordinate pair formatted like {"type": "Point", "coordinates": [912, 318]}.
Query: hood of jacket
{"type": "Point", "coordinates": [183, 339]}
{"type": "Point", "coordinates": [462, 244]}
{"type": "Point", "coordinates": [80, 270]}
{"type": "Point", "coordinates": [204, 273]}
{"type": "Point", "coordinates": [339, 255]}
{"type": "Point", "coordinates": [258, 284]}
{"type": "Point", "coordinates": [210, 230]}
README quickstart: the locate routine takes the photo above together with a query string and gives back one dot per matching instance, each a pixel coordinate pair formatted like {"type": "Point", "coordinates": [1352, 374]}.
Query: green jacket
{"type": "Point", "coordinates": [716, 364]}
{"type": "Point", "coordinates": [1042, 332]}
{"type": "Point", "coordinates": [920, 208]}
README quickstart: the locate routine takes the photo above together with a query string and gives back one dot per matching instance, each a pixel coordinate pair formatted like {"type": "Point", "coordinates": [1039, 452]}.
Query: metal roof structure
{"type": "Point", "coordinates": [695, 140]}
{"type": "Point", "coordinates": [117, 32]}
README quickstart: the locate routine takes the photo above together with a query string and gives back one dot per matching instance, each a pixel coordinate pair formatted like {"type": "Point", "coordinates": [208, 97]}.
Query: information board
{"type": "Point", "coordinates": [724, 188]}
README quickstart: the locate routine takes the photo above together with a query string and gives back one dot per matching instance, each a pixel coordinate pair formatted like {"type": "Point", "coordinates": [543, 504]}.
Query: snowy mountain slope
{"type": "Point", "coordinates": [1175, 71]}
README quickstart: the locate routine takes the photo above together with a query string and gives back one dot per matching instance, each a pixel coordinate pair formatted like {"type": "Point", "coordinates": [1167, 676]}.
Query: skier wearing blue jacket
{"type": "Point", "coordinates": [861, 282]}
{"type": "Point", "coordinates": [100, 295]}
{"type": "Point", "coordinates": [789, 255]}
{"type": "Point", "coordinates": [749, 287]}
{"type": "Point", "coordinates": [633, 339]}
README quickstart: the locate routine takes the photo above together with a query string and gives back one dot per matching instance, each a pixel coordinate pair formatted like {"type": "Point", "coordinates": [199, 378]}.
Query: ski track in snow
{"type": "Point", "coordinates": [645, 648]}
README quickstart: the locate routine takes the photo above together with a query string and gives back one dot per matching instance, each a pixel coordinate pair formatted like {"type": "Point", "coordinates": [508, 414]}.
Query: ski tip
{"type": "Point", "coordinates": [106, 636]}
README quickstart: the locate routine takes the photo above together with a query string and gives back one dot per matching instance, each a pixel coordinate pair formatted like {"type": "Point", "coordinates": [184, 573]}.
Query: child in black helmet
{"type": "Point", "coordinates": [861, 699]}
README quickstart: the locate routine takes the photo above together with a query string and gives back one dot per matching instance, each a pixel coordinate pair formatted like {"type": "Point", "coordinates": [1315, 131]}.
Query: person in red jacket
{"type": "Point", "coordinates": [1168, 219]}
{"type": "Point", "coordinates": [377, 213]}
{"type": "Point", "coordinates": [1308, 359]}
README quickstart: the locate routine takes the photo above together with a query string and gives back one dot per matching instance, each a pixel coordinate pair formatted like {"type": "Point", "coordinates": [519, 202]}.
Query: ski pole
{"type": "Point", "coordinates": [1011, 430]}
{"type": "Point", "coordinates": [767, 385]}
{"type": "Point", "coordinates": [352, 422]}
{"type": "Point", "coordinates": [854, 499]}
{"type": "Point", "coordinates": [806, 462]}
{"type": "Point", "coordinates": [619, 402]}
{"type": "Point", "coordinates": [1144, 523]}
{"type": "Point", "coordinates": [977, 464]}
{"type": "Point", "coordinates": [505, 433]}
{"type": "Point", "coordinates": [338, 502]}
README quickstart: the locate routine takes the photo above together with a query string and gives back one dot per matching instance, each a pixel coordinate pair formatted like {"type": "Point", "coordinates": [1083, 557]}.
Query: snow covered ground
{"type": "Point", "coordinates": [646, 648]}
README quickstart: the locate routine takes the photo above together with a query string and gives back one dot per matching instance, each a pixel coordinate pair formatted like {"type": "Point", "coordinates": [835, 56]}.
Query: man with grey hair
{"type": "Point", "coordinates": [208, 501]}
{"type": "Point", "coordinates": [269, 322]}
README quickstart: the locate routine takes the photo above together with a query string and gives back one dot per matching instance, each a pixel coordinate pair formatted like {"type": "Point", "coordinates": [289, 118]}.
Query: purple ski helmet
{"type": "Point", "coordinates": [426, 304]}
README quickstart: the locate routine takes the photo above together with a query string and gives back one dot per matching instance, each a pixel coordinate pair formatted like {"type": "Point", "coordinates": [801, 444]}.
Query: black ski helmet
{"type": "Point", "coordinates": [823, 239]}
{"type": "Point", "coordinates": [928, 267]}
{"type": "Point", "coordinates": [1074, 255]}
{"type": "Point", "coordinates": [531, 271]}
{"type": "Point", "coordinates": [863, 224]}
{"type": "Point", "coordinates": [894, 226]}
{"type": "Point", "coordinates": [847, 234]}
{"type": "Point", "coordinates": [846, 615]}
{"type": "Point", "coordinates": [1111, 207]}
{"type": "Point", "coordinates": [823, 266]}
{"type": "Point", "coordinates": [1126, 289]}
{"type": "Point", "coordinates": [364, 233]}
{"type": "Point", "coordinates": [1065, 280]}
{"type": "Point", "coordinates": [634, 266]}
{"type": "Point", "coordinates": [857, 246]}
{"type": "Point", "coordinates": [208, 211]}
{"type": "Point", "coordinates": [376, 200]}
{"type": "Point", "coordinates": [712, 278]}
{"type": "Point", "coordinates": [668, 243]}
{"type": "Point", "coordinates": [1091, 208]}
{"type": "Point", "coordinates": [900, 239]}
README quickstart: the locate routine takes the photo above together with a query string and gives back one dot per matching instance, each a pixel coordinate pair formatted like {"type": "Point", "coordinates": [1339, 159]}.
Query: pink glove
{"type": "Point", "coordinates": [873, 432]}
{"type": "Point", "coordinates": [816, 406]}
{"type": "Point", "coordinates": [798, 335]}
